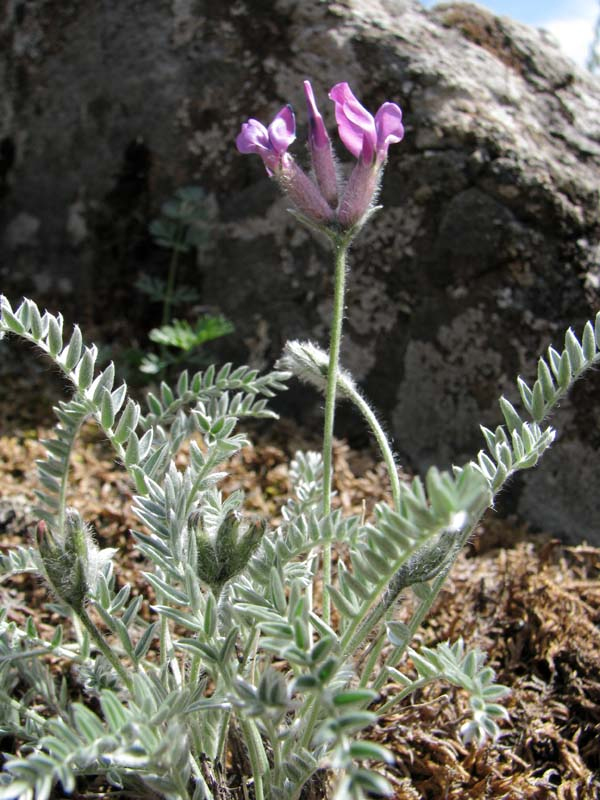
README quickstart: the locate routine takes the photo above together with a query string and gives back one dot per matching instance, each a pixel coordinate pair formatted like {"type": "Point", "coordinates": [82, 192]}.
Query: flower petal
{"type": "Point", "coordinates": [320, 150]}
{"type": "Point", "coordinates": [388, 123]}
{"type": "Point", "coordinates": [317, 131]}
{"type": "Point", "coordinates": [282, 131]}
{"type": "Point", "coordinates": [356, 125]}
{"type": "Point", "coordinates": [253, 138]}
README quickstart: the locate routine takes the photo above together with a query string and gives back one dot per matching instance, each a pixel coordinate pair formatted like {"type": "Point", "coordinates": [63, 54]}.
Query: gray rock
{"type": "Point", "coordinates": [486, 250]}
{"type": "Point", "coordinates": [15, 515]}
{"type": "Point", "coordinates": [21, 231]}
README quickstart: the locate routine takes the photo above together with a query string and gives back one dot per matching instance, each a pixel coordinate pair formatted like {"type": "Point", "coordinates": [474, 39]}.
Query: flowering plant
{"type": "Point", "coordinates": [257, 660]}
{"type": "Point", "coordinates": [368, 139]}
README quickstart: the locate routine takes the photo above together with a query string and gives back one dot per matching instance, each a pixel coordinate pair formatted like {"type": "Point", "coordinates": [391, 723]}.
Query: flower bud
{"type": "Point", "coordinates": [224, 555]}
{"type": "Point", "coordinates": [321, 151]}
{"type": "Point", "coordinates": [310, 364]}
{"type": "Point", "coordinates": [71, 559]}
{"type": "Point", "coordinates": [64, 559]}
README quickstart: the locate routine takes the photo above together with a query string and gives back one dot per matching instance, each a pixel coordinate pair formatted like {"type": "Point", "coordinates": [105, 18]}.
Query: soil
{"type": "Point", "coordinates": [530, 602]}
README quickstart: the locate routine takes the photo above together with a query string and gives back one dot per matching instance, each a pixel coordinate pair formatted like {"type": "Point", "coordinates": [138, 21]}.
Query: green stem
{"type": "Point", "coordinates": [398, 698]}
{"type": "Point", "coordinates": [197, 745]}
{"type": "Point", "coordinates": [311, 722]}
{"type": "Point", "coordinates": [167, 302]}
{"type": "Point", "coordinates": [276, 748]}
{"type": "Point", "coordinates": [382, 440]}
{"type": "Point", "coordinates": [373, 655]}
{"type": "Point", "coordinates": [424, 607]}
{"type": "Point", "coordinates": [164, 656]}
{"type": "Point", "coordinates": [168, 298]}
{"type": "Point", "coordinates": [195, 667]}
{"type": "Point", "coordinates": [341, 250]}
{"type": "Point", "coordinates": [29, 713]}
{"type": "Point", "coordinates": [222, 739]}
{"type": "Point", "coordinates": [248, 661]}
{"type": "Point", "coordinates": [259, 791]}
{"type": "Point", "coordinates": [414, 624]}
{"type": "Point", "coordinates": [65, 474]}
{"type": "Point", "coordinates": [167, 653]}
{"type": "Point", "coordinates": [179, 783]}
{"type": "Point", "coordinates": [104, 648]}
{"type": "Point", "coordinates": [256, 755]}
{"type": "Point", "coordinates": [208, 467]}
{"type": "Point", "coordinates": [364, 622]}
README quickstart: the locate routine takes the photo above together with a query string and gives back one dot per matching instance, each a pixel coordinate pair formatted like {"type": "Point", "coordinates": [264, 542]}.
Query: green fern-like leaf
{"type": "Point", "coordinates": [182, 335]}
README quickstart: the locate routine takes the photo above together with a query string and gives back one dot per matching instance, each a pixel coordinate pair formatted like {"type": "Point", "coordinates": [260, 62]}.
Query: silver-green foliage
{"type": "Point", "coordinates": [518, 444]}
{"type": "Point", "coordinates": [236, 654]}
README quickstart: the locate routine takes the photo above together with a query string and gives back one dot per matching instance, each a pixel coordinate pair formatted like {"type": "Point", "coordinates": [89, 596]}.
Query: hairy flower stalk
{"type": "Point", "coordinates": [311, 364]}
{"type": "Point", "coordinates": [335, 341]}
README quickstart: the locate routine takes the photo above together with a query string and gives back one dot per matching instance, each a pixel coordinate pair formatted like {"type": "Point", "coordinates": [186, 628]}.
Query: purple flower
{"type": "Point", "coordinates": [365, 136]}
{"type": "Point", "coordinates": [321, 150]}
{"type": "Point", "coordinates": [368, 139]}
{"type": "Point", "coordinates": [270, 143]}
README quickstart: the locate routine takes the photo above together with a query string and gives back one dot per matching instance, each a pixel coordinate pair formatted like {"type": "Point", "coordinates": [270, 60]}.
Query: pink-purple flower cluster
{"type": "Point", "coordinates": [368, 138]}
